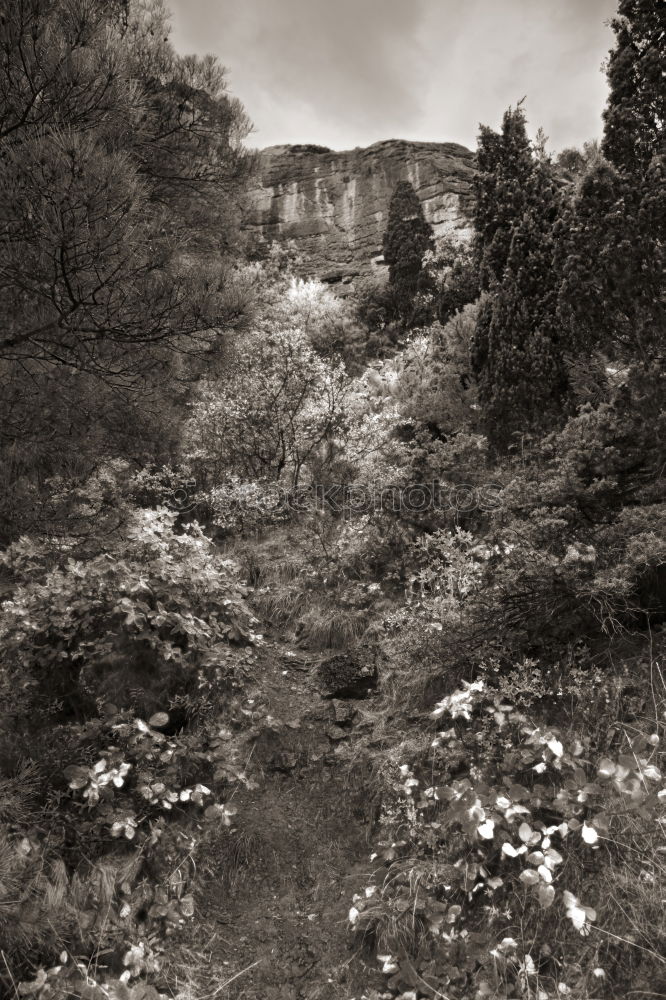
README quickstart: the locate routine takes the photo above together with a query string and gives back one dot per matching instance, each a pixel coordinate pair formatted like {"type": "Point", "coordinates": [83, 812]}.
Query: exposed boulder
{"type": "Point", "coordinates": [349, 673]}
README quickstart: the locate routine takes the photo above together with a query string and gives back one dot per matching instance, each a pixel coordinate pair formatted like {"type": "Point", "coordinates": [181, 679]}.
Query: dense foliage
{"type": "Point", "coordinates": [122, 165]}
{"type": "Point", "coordinates": [636, 110]}
{"type": "Point", "coordinates": [442, 502]}
{"type": "Point", "coordinates": [407, 239]}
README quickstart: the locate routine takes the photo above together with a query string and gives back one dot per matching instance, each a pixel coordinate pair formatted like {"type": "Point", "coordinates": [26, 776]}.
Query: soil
{"type": "Point", "coordinates": [273, 899]}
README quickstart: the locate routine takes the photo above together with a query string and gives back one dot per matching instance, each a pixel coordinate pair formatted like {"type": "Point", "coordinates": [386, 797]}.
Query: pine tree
{"type": "Point", "coordinates": [636, 111]}
{"type": "Point", "coordinates": [119, 161]}
{"type": "Point", "coordinates": [407, 239]}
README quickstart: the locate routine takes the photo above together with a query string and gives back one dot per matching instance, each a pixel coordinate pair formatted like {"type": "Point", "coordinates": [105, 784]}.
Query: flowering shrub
{"type": "Point", "coordinates": [146, 614]}
{"type": "Point", "coordinates": [144, 621]}
{"type": "Point", "coordinates": [237, 506]}
{"type": "Point", "coordinates": [486, 849]}
{"type": "Point", "coordinates": [124, 882]}
{"type": "Point", "coordinates": [142, 776]}
{"type": "Point", "coordinates": [278, 406]}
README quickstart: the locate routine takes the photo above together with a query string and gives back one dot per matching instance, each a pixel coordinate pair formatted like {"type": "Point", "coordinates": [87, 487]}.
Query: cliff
{"type": "Point", "coordinates": [333, 206]}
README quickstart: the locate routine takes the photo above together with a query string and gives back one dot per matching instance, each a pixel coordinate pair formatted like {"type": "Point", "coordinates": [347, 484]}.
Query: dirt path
{"type": "Point", "coordinates": [272, 908]}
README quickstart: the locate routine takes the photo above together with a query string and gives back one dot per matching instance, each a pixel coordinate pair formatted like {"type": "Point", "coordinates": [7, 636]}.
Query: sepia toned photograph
{"type": "Point", "coordinates": [332, 500]}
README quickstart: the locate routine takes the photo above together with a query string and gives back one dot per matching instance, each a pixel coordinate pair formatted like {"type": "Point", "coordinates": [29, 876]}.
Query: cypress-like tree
{"type": "Point", "coordinates": [612, 294]}
{"type": "Point", "coordinates": [612, 250]}
{"type": "Point", "coordinates": [636, 111]}
{"type": "Point", "coordinates": [516, 350]}
{"type": "Point", "coordinates": [503, 166]}
{"type": "Point", "coordinates": [522, 380]}
{"type": "Point", "coordinates": [407, 238]}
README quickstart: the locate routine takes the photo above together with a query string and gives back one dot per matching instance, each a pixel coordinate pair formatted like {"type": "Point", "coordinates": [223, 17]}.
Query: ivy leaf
{"type": "Point", "coordinates": [577, 913]}
{"type": "Point", "coordinates": [606, 768]}
{"type": "Point", "coordinates": [525, 832]}
{"type": "Point", "coordinates": [487, 830]}
{"type": "Point", "coordinates": [158, 720]}
{"type": "Point", "coordinates": [78, 777]}
{"type": "Point", "coordinates": [546, 895]}
{"type": "Point", "coordinates": [553, 857]}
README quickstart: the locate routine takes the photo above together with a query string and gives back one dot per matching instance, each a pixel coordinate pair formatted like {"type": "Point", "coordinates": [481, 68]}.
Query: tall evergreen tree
{"type": "Point", "coordinates": [612, 264]}
{"type": "Point", "coordinates": [407, 238]}
{"type": "Point", "coordinates": [503, 166]}
{"type": "Point", "coordinates": [612, 248]}
{"type": "Point", "coordinates": [522, 380]}
{"type": "Point", "coordinates": [516, 349]}
{"type": "Point", "coordinates": [636, 111]}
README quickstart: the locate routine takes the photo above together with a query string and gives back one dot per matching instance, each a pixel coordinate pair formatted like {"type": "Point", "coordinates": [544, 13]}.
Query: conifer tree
{"type": "Point", "coordinates": [503, 166]}
{"type": "Point", "coordinates": [516, 350]}
{"type": "Point", "coordinates": [612, 294]}
{"type": "Point", "coordinates": [407, 238]}
{"type": "Point", "coordinates": [522, 380]}
{"type": "Point", "coordinates": [120, 163]}
{"type": "Point", "coordinates": [636, 111]}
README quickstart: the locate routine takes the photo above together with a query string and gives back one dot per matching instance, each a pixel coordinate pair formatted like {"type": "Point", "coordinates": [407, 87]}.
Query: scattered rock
{"type": "Point", "coordinates": [336, 733]}
{"type": "Point", "coordinates": [283, 761]}
{"type": "Point", "coordinates": [343, 711]}
{"type": "Point", "coordinates": [276, 748]}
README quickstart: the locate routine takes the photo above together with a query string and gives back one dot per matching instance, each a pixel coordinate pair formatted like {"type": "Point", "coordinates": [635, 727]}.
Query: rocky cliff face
{"type": "Point", "coordinates": [334, 206]}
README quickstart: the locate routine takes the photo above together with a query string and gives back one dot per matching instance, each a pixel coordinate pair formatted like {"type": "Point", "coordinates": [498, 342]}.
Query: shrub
{"type": "Point", "coordinates": [143, 615]}
{"type": "Point", "coordinates": [274, 412]}
{"type": "Point", "coordinates": [497, 839]}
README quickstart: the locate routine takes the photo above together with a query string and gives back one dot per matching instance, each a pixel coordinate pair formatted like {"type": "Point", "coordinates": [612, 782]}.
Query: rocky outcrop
{"type": "Point", "coordinates": [333, 206]}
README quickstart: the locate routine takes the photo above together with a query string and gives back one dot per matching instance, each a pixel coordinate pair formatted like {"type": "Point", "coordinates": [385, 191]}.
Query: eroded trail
{"type": "Point", "coordinates": [273, 905]}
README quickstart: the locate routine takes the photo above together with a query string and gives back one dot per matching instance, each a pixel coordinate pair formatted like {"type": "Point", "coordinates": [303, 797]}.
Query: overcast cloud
{"type": "Point", "coordinates": [345, 73]}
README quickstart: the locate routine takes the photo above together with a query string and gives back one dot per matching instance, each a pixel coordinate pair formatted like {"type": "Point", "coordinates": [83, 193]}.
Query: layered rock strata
{"type": "Point", "coordinates": [332, 207]}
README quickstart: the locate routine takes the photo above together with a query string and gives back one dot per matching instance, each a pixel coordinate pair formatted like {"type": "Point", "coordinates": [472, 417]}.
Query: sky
{"type": "Point", "coordinates": [346, 73]}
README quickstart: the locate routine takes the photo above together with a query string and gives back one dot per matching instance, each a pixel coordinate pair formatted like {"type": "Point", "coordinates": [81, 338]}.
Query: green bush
{"type": "Point", "coordinates": [134, 622]}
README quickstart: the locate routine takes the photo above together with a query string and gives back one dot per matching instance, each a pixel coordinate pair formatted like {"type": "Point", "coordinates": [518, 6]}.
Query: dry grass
{"type": "Point", "coordinates": [229, 856]}
{"type": "Point", "coordinates": [386, 925]}
{"type": "Point", "coordinates": [327, 626]}
{"type": "Point", "coordinates": [280, 605]}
